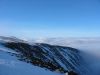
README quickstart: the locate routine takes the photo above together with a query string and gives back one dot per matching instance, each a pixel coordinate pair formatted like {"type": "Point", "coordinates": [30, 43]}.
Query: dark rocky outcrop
{"type": "Point", "coordinates": [72, 73]}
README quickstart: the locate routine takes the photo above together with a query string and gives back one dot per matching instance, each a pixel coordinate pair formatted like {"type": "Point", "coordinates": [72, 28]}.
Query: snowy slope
{"type": "Point", "coordinates": [55, 58]}
{"type": "Point", "coordinates": [9, 65]}
{"type": "Point", "coordinates": [39, 58]}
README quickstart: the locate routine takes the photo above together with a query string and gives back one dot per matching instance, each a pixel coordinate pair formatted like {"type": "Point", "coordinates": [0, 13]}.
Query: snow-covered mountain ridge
{"type": "Point", "coordinates": [51, 57]}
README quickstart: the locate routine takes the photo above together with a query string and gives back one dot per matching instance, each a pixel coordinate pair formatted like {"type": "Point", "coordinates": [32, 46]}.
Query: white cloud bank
{"type": "Point", "coordinates": [88, 44]}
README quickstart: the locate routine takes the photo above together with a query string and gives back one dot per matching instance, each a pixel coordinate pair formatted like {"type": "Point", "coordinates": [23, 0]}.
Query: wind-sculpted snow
{"type": "Point", "coordinates": [52, 57]}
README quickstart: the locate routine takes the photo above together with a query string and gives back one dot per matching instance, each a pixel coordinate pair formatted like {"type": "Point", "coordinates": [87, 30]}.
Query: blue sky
{"type": "Point", "coordinates": [50, 18]}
